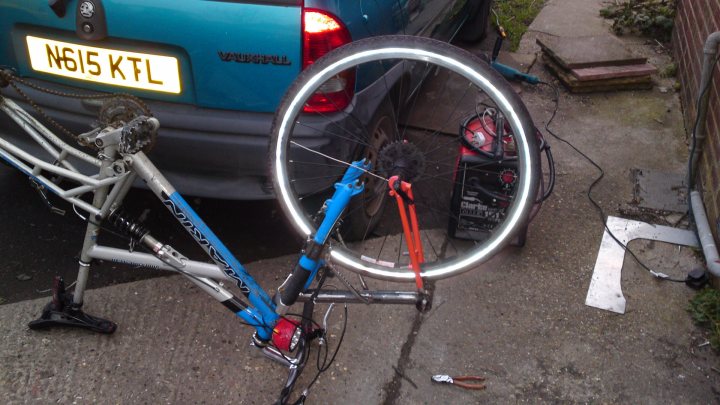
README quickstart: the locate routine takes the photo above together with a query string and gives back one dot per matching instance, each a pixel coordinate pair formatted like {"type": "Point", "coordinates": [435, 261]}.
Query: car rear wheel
{"type": "Point", "coordinates": [364, 211]}
{"type": "Point", "coordinates": [475, 28]}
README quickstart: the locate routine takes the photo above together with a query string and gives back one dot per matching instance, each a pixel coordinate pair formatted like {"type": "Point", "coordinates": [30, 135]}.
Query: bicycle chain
{"type": "Point", "coordinates": [11, 79]}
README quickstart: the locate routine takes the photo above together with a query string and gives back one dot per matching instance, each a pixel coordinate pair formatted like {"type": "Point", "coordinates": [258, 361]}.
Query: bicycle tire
{"type": "Point", "coordinates": [303, 141]}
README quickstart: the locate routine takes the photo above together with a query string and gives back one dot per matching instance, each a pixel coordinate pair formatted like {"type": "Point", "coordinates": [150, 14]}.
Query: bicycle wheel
{"type": "Point", "coordinates": [407, 104]}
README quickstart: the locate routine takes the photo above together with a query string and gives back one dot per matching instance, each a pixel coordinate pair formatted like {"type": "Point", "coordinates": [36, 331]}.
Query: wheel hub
{"type": "Point", "coordinates": [402, 159]}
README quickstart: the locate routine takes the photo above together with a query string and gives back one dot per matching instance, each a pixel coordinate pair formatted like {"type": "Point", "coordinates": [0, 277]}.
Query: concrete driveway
{"type": "Point", "coordinates": [520, 320]}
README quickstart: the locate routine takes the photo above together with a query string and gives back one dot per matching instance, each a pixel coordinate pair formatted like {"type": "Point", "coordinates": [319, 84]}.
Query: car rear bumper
{"type": "Point", "coordinates": [202, 152]}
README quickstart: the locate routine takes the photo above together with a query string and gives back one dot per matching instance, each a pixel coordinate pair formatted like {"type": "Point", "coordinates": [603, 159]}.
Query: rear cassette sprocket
{"type": "Point", "coordinates": [120, 110]}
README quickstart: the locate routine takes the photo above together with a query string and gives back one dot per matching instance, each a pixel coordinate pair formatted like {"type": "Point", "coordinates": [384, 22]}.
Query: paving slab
{"type": "Point", "coordinates": [575, 85]}
{"type": "Point", "coordinates": [589, 51]}
{"type": "Point", "coordinates": [611, 72]}
{"type": "Point", "coordinates": [570, 18]}
{"type": "Point", "coordinates": [527, 331]}
{"type": "Point", "coordinates": [518, 320]}
{"type": "Point", "coordinates": [174, 344]}
{"type": "Point", "coordinates": [660, 192]}
{"type": "Point", "coordinates": [563, 18]}
{"type": "Point", "coordinates": [521, 320]}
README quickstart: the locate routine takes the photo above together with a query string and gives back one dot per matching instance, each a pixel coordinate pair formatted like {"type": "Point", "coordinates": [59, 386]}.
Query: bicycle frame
{"type": "Point", "coordinates": [116, 174]}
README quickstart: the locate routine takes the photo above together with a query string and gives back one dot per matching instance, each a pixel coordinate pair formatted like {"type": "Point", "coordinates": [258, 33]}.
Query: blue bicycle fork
{"type": "Point", "coordinates": [310, 262]}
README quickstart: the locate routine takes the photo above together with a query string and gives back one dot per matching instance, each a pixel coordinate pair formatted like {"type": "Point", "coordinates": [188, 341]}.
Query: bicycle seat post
{"type": "Point", "coordinates": [66, 309]}
{"type": "Point", "coordinates": [108, 154]}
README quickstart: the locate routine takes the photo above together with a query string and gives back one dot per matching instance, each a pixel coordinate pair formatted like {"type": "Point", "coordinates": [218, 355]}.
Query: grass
{"type": "Point", "coordinates": [705, 311]}
{"type": "Point", "coordinates": [515, 16]}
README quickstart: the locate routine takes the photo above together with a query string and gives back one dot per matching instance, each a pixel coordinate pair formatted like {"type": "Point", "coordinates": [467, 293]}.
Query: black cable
{"type": "Point", "coordinates": [302, 317]}
{"type": "Point", "coordinates": [551, 170]}
{"type": "Point", "coordinates": [325, 363]}
{"type": "Point", "coordinates": [593, 184]}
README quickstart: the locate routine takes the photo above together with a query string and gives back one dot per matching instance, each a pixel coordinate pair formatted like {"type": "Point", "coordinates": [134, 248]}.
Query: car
{"type": "Point", "coordinates": [213, 72]}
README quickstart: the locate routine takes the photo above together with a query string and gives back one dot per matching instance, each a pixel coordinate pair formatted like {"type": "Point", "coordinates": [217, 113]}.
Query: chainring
{"type": "Point", "coordinates": [115, 111]}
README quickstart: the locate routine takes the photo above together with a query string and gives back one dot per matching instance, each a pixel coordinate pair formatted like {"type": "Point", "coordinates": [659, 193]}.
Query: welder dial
{"type": "Point", "coordinates": [508, 177]}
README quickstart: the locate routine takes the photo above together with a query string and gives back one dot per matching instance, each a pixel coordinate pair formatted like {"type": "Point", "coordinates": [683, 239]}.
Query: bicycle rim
{"type": "Point", "coordinates": [427, 90]}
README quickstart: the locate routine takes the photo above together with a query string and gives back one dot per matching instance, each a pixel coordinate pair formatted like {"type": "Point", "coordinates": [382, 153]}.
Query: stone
{"type": "Point", "coordinates": [588, 51]}
{"type": "Point", "coordinates": [576, 86]}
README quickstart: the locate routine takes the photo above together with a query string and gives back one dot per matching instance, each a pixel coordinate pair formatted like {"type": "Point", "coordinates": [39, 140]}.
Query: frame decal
{"type": "Point", "coordinates": [208, 242]}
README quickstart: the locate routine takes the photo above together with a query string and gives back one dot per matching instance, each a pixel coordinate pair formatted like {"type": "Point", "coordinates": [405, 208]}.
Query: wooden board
{"type": "Point", "coordinates": [576, 86]}
{"type": "Point", "coordinates": [612, 72]}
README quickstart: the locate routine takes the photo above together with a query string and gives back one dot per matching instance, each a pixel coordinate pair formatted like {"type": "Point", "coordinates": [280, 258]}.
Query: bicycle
{"type": "Point", "coordinates": [334, 171]}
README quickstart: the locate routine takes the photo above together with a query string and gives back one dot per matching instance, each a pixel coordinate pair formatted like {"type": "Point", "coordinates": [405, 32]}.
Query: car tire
{"type": "Point", "coordinates": [475, 28]}
{"type": "Point", "coordinates": [364, 213]}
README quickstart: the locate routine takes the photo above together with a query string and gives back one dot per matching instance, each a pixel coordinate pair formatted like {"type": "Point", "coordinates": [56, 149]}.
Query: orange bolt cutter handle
{"type": "Point", "coordinates": [402, 191]}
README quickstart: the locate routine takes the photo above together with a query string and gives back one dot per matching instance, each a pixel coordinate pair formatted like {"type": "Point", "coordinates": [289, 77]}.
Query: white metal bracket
{"type": "Point", "coordinates": [605, 291]}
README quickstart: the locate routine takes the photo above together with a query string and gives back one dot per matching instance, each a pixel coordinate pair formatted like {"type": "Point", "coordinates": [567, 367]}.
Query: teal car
{"type": "Point", "coordinates": [212, 71]}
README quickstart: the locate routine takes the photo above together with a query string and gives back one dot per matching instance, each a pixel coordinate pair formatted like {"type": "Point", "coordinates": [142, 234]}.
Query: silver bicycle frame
{"type": "Point", "coordinates": [116, 173]}
{"type": "Point", "coordinates": [113, 181]}
{"type": "Point", "coordinates": [115, 177]}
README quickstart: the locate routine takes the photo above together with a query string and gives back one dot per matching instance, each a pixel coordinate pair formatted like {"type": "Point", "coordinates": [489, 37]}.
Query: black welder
{"type": "Point", "coordinates": [485, 178]}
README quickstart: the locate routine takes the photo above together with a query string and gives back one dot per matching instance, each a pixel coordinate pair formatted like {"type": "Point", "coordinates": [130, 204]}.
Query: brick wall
{"type": "Point", "coordinates": [695, 20]}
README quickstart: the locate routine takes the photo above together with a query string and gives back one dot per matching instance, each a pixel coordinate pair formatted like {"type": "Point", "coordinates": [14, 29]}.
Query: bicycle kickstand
{"type": "Point", "coordinates": [61, 311]}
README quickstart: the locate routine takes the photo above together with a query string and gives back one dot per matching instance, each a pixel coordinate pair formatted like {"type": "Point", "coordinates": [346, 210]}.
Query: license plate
{"type": "Point", "coordinates": [101, 65]}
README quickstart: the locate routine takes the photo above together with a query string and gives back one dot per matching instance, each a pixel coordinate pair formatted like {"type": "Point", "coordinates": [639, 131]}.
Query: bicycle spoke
{"type": "Point", "coordinates": [405, 117]}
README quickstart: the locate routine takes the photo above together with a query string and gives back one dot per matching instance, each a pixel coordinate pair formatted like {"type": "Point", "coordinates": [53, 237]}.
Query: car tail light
{"type": "Point", "coordinates": [322, 33]}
